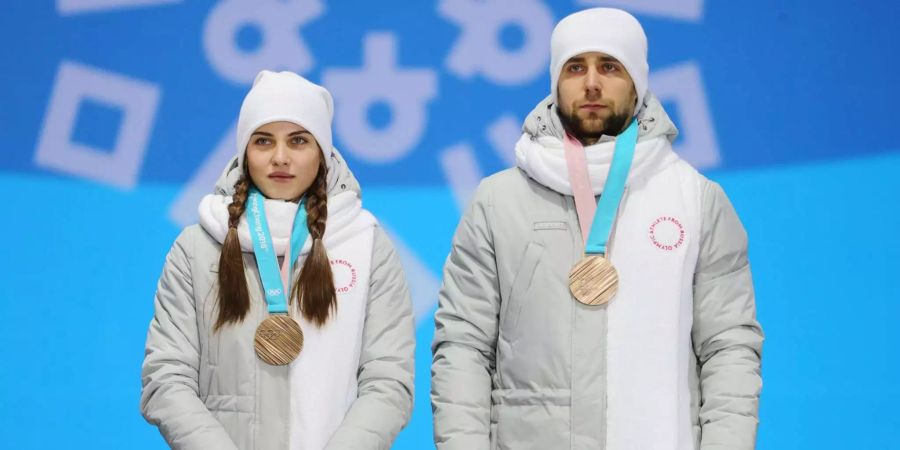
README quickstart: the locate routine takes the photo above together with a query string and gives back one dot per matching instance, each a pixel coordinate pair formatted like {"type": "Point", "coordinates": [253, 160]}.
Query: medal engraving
{"type": "Point", "coordinates": [278, 340]}
{"type": "Point", "coordinates": [593, 280]}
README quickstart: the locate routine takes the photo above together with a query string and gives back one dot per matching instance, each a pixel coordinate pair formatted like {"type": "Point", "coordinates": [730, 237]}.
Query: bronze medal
{"type": "Point", "coordinates": [593, 280]}
{"type": "Point", "coordinates": [278, 340]}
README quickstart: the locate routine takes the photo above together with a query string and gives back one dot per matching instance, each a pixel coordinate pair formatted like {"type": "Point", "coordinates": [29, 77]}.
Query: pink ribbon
{"type": "Point", "coordinates": [286, 264]}
{"type": "Point", "coordinates": [585, 204]}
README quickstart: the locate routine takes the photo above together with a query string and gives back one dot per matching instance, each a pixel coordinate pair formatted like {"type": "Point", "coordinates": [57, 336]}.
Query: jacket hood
{"type": "Point", "coordinates": [345, 214]}
{"type": "Point", "coordinates": [540, 151]}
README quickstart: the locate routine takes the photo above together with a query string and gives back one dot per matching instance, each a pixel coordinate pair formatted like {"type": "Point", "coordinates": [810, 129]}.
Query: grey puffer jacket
{"type": "Point", "coordinates": [519, 364]}
{"type": "Point", "coordinates": [207, 390]}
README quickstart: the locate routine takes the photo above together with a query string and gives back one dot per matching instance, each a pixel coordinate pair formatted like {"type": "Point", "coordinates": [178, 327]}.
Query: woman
{"type": "Point", "coordinates": [282, 319]}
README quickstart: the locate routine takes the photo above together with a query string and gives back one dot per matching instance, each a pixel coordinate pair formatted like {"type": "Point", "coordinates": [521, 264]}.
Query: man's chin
{"type": "Point", "coordinates": [591, 127]}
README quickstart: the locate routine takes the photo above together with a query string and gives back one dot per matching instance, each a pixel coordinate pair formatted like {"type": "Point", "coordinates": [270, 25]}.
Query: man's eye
{"type": "Point", "coordinates": [576, 68]}
{"type": "Point", "coordinates": [609, 67]}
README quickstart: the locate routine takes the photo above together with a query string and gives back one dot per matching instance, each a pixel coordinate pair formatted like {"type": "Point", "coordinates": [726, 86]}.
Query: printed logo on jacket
{"type": "Point", "coordinates": [345, 277]}
{"type": "Point", "coordinates": [667, 233]}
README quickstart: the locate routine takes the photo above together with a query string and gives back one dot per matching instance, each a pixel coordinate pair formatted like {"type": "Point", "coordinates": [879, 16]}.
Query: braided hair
{"type": "Point", "coordinates": [314, 288]}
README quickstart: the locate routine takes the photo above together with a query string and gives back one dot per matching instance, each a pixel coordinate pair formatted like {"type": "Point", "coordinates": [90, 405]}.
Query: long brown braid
{"type": "Point", "coordinates": [234, 297]}
{"type": "Point", "coordinates": [314, 289]}
{"type": "Point", "coordinates": [315, 286]}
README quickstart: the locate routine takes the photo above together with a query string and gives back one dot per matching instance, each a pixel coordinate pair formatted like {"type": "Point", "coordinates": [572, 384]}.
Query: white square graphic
{"type": "Point", "coordinates": [72, 7]}
{"type": "Point", "coordinates": [184, 209]}
{"type": "Point", "coordinates": [682, 85]}
{"type": "Point", "coordinates": [687, 10]}
{"type": "Point", "coordinates": [137, 100]}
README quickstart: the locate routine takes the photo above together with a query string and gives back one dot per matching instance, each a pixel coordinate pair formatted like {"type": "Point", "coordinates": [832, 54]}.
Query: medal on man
{"type": "Point", "coordinates": [593, 280]}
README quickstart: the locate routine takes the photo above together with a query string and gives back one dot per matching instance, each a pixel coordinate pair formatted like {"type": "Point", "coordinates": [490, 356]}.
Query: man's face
{"type": "Point", "coordinates": [596, 96]}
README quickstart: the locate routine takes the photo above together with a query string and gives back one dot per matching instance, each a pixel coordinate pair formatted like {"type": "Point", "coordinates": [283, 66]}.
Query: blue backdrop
{"type": "Point", "coordinates": [117, 115]}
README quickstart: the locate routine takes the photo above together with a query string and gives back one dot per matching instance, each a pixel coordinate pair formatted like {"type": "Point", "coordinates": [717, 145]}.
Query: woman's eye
{"type": "Point", "coordinates": [263, 141]}
{"type": "Point", "coordinates": [297, 140]}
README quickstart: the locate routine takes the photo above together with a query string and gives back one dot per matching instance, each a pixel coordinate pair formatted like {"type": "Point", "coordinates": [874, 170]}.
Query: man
{"type": "Point", "coordinates": [564, 324]}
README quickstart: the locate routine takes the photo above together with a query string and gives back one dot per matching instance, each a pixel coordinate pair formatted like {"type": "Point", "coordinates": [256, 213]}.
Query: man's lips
{"type": "Point", "coordinates": [592, 107]}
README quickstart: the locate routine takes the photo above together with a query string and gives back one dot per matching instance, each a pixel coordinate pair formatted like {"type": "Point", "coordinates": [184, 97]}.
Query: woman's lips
{"type": "Point", "coordinates": [281, 177]}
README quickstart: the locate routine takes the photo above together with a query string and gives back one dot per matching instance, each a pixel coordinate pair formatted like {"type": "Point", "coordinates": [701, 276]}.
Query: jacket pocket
{"type": "Point", "coordinates": [210, 311]}
{"type": "Point", "coordinates": [511, 304]}
{"type": "Point", "coordinates": [525, 419]}
{"type": "Point", "coordinates": [493, 437]}
{"type": "Point", "coordinates": [550, 225]}
{"type": "Point", "coordinates": [236, 415]}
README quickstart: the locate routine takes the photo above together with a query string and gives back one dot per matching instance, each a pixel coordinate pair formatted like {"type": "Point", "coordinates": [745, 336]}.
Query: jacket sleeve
{"type": "Point", "coordinates": [386, 368]}
{"type": "Point", "coordinates": [170, 394]}
{"type": "Point", "coordinates": [727, 338]}
{"type": "Point", "coordinates": [465, 336]}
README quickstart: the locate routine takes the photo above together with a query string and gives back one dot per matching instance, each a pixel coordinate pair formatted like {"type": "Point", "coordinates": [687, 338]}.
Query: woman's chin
{"type": "Point", "coordinates": [276, 193]}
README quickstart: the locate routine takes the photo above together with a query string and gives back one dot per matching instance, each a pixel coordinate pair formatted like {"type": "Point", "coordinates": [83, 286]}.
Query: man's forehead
{"type": "Point", "coordinates": [592, 56]}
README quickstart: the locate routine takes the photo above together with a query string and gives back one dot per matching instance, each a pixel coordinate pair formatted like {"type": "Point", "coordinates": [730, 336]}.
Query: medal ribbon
{"type": "Point", "coordinates": [275, 284]}
{"type": "Point", "coordinates": [599, 218]}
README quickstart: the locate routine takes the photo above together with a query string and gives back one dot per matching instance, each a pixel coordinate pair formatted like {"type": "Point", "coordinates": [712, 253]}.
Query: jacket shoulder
{"type": "Point", "coordinates": [196, 243]}
{"type": "Point", "coordinates": [506, 184]}
{"type": "Point", "coordinates": [690, 174]}
{"type": "Point", "coordinates": [195, 234]}
{"type": "Point", "coordinates": [506, 178]}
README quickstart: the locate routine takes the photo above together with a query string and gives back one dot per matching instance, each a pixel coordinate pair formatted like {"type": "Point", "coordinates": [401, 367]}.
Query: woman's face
{"type": "Point", "coordinates": [283, 160]}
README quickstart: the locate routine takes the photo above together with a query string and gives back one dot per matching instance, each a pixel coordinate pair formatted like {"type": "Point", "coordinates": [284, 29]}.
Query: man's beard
{"type": "Point", "coordinates": [581, 130]}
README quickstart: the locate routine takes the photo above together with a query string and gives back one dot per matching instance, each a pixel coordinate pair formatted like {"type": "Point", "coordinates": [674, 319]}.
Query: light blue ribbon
{"type": "Point", "coordinates": [264, 249]}
{"type": "Point", "coordinates": [612, 191]}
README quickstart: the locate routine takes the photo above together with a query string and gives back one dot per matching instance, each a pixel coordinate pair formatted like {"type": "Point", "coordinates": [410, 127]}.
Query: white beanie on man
{"type": "Point", "coordinates": [606, 30]}
{"type": "Point", "coordinates": [286, 97]}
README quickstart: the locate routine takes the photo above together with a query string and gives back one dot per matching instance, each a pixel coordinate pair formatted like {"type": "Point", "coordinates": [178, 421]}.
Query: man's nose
{"type": "Point", "coordinates": [592, 83]}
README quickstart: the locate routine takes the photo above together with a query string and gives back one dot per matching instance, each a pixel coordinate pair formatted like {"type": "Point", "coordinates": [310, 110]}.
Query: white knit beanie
{"type": "Point", "coordinates": [286, 97]}
{"type": "Point", "coordinates": [606, 30]}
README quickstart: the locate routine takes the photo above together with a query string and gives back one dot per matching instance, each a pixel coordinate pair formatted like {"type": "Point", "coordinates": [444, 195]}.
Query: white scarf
{"type": "Point", "coordinates": [543, 159]}
{"type": "Point", "coordinates": [345, 218]}
{"type": "Point", "coordinates": [650, 319]}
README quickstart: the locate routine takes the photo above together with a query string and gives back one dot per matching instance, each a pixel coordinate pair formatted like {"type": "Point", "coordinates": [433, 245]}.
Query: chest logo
{"type": "Point", "coordinates": [345, 276]}
{"type": "Point", "coordinates": [667, 233]}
